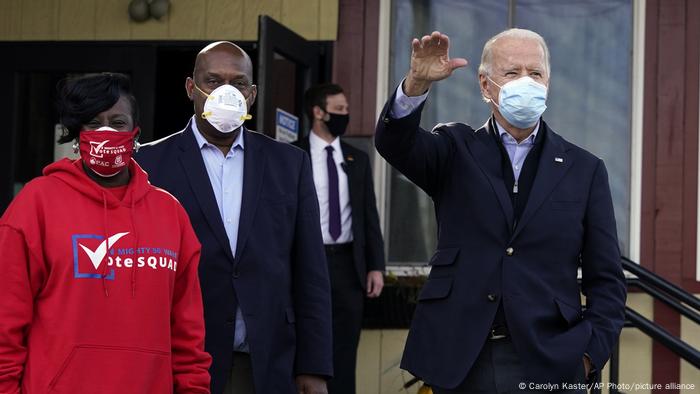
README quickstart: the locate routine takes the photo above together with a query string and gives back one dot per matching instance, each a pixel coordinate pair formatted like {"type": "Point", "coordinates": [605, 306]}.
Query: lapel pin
{"type": "Point", "coordinates": [558, 159]}
{"type": "Point", "coordinates": [349, 158]}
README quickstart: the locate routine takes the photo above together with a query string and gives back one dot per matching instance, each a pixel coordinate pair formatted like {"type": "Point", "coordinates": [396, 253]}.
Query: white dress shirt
{"type": "Point", "coordinates": [317, 148]}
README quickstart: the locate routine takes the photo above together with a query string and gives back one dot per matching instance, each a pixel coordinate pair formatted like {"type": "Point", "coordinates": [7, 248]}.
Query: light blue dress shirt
{"type": "Point", "coordinates": [226, 178]}
{"type": "Point", "coordinates": [517, 151]}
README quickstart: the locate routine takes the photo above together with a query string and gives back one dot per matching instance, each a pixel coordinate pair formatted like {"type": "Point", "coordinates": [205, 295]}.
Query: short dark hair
{"type": "Point", "coordinates": [316, 95]}
{"type": "Point", "coordinates": [81, 98]}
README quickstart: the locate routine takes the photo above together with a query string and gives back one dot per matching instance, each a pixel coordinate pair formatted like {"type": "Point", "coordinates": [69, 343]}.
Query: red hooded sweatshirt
{"type": "Point", "coordinates": [98, 294]}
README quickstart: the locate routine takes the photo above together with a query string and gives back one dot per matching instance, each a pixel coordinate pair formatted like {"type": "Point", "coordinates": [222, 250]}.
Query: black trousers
{"type": "Point", "coordinates": [347, 299]}
{"type": "Point", "coordinates": [241, 379]}
{"type": "Point", "coordinates": [498, 369]}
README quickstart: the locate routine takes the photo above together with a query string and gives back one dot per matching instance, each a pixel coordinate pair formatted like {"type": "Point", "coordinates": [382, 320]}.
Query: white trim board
{"type": "Point", "coordinates": [637, 135]}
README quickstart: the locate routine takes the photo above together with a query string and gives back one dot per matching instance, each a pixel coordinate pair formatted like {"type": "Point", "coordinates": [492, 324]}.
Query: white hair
{"type": "Point", "coordinates": [485, 66]}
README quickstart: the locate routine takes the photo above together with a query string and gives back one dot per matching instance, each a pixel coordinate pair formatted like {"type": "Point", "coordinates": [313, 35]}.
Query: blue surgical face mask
{"type": "Point", "coordinates": [522, 101]}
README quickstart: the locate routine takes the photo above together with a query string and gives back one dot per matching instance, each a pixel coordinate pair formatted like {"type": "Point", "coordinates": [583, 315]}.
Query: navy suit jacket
{"type": "Point", "coordinates": [279, 276]}
{"type": "Point", "coordinates": [367, 244]}
{"type": "Point", "coordinates": [483, 258]}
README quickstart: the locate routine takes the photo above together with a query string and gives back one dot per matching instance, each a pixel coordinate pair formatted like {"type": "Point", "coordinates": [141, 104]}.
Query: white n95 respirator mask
{"type": "Point", "coordinates": [225, 108]}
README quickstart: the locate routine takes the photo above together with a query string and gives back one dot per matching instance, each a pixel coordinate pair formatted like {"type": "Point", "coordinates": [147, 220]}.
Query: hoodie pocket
{"type": "Point", "coordinates": [113, 369]}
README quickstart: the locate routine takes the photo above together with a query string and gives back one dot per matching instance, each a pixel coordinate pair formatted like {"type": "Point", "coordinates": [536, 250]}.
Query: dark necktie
{"type": "Point", "coordinates": [333, 196]}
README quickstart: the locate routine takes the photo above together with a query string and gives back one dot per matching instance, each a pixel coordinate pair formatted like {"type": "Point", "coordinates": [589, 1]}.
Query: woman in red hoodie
{"type": "Point", "coordinates": [98, 276]}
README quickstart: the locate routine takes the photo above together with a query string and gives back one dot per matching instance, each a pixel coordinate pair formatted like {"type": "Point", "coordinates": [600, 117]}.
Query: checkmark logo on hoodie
{"type": "Point", "coordinates": [99, 253]}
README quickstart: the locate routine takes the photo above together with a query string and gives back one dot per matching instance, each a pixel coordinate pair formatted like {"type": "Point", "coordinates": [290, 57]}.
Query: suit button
{"type": "Point", "coordinates": [386, 120]}
{"type": "Point", "coordinates": [492, 297]}
{"type": "Point", "coordinates": [236, 274]}
{"type": "Point", "coordinates": [231, 320]}
{"type": "Point", "coordinates": [510, 251]}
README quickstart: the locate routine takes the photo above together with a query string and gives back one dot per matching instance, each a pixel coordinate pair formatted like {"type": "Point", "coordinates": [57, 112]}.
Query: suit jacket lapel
{"type": "Point", "coordinates": [196, 173]}
{"type": "Point", "coordinates": [488, 157]}
{"type": "Point", "coordinates": [553, 165]}
{"type": "Point", "coordinates": [305, 145]}
{"type": "Point", "coordinates": [253, 174]}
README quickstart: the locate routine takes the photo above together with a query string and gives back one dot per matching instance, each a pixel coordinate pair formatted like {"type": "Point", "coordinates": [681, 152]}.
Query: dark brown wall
{"type": "Point", "coordinates": [670, 158]}
{"type": "Point", "coordinates": [669, 188]}
{"type": "Point", "coordinates": [355, 62]}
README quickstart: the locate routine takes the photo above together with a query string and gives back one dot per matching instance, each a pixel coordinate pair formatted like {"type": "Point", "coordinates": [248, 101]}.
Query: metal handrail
{"type": "Point", "coordinates": [670, 294]}
{"type": "Point", "coordinates": [655, 280]}
{"type": "Point", "coordinates": [658, 333]}
{"type": "Point", "coordinates": [662, 290]}
{"type": "Point", "coordinates": [655, 332]}
{"type": "Point", "coordinates": [666, 299]}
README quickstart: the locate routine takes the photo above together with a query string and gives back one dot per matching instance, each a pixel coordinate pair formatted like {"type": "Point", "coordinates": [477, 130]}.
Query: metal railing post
{"type": "Point", "coordinates": [615, 368]}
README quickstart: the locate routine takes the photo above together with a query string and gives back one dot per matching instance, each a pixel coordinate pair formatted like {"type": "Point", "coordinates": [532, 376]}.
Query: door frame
{"type": "Point", "coordinates": [273, 37]}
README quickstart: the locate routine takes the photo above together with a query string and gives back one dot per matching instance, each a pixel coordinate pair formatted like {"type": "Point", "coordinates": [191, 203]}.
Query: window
{"type": "Point", "coordinates": [589, 101]}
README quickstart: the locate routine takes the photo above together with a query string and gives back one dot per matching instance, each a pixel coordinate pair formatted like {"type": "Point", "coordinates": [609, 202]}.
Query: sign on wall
{"type": "Point", "coordinates": [286, 126]}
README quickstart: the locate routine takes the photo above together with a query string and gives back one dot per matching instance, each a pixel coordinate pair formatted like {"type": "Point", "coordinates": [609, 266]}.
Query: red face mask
{"type": "Point", "coordinates": [107, 151]}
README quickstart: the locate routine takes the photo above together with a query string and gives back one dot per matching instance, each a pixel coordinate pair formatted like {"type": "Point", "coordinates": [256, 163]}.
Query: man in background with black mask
{"type": "Point", "coordinates": [349, 224]}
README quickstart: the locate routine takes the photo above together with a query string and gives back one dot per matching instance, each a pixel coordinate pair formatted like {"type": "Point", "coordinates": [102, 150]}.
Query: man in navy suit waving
{"type": "Point", "coordinates": [252, 203]}
{"type": "Point", "coordinates": [520, 210]}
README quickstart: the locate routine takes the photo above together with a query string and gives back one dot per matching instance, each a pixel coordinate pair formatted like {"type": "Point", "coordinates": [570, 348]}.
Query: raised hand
{"type": "Point", "coordinates": [430, 62]}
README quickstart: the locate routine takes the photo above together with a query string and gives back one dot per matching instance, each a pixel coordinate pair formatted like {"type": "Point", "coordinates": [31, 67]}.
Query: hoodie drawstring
{"type": "Point", "coordinates": [136, 245]}
{"type": "Point", "coordinates": [104, 228]}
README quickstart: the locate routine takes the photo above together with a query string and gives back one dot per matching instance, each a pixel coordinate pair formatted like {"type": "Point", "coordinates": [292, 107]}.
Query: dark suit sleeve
{"type": "Point", "coordinates": [311, 284]}
{"type": "Point", "coordinates": [374, 243]}
{"type": "Point", "coordinates": [147, 158]}
{"type": "Point", "coordinates": [420, 155]}
{"type": "Point", "coordinates": [603, 280]}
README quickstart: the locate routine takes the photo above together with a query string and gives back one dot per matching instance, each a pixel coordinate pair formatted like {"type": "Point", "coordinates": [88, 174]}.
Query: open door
{"type": "Point", "coordinates": [287, 66]}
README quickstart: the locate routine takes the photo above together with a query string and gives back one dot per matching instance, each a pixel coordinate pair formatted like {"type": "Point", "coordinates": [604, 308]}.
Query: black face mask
{"type": "Point", "coordinates": [337, 123]}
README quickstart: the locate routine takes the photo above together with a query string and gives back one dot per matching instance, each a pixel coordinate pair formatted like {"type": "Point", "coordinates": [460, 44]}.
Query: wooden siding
{"type": "Point", "coordinates": [87, 20]}
{"type": "Point", "coordinates": [670, 159]}
{"type": "Point", "coordinates": [355, 62]}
